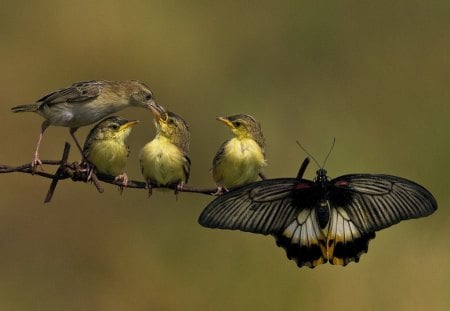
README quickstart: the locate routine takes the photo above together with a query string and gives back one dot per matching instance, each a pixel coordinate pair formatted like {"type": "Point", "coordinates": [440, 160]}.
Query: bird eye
{"type": "Point", "coordinates": [148, 97]}
{"type": "Point", "coordinates": [237, 123]}
{"type": "Point", "coordinates": [170, 121]}
{"type": "Point", "coordinates": [114, 126]}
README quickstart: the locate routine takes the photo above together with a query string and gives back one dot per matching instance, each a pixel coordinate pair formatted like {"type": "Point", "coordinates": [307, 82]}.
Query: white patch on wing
{"type": "Point", "coordinates": [344, 234]}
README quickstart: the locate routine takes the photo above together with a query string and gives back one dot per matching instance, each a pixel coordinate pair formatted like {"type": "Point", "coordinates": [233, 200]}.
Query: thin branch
{"type": "Point", "coordinates": [80, 172]}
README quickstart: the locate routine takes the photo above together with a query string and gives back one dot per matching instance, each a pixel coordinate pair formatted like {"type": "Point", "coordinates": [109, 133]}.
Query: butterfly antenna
{"type": "Point", "coordinates": [329, 152]}
{"type": "Point", "coordinates": [306, 151]}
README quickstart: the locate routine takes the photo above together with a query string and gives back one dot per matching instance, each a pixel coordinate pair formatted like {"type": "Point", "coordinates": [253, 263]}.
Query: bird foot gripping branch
{"type": "Point", "coordinates": [35, 163]}
{"type": "Point", "coordinates": [220, 190]}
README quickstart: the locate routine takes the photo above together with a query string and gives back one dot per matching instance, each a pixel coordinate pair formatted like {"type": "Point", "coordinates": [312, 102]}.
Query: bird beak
{"type": "Point", "coordinates": [158, 113]}
{"type": "Point", "coordinates": [225, 121]}
{"type": "Point", "coordinates": [128, 124]}
{"type": "Point", "coordinates": [150, 104]}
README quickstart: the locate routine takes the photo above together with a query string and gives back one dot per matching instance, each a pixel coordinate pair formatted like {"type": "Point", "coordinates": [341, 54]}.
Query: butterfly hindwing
{"type": "Point", "coordinates": [303, 240]}
{"type": "Point", "coordinates": [345, 241]}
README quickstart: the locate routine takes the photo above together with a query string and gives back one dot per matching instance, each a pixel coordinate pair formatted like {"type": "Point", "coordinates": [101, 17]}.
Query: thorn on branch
{"type": "Point", "coordinates": [59, 173]}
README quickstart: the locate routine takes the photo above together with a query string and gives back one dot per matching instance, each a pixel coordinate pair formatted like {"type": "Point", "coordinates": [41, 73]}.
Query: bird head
{"type": "Point", "coordinates": [171, 126]}
{"type": "Point", "coordinates": [112, 128]}
{"type": "Point", "coordinates": [244, 126]}
{"type": "Point", "coordinates": [141, 96]}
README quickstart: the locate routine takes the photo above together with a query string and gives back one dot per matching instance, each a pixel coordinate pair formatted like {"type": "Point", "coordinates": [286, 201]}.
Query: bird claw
{"type": "Point", "coordinates": [220, 190]}
{"type": "Point", "coordinates": [122, 181]}
{"type": "Point", "coordinates": [86, 167]}
{"type": "Point", "coordinates": [35, 162]}
{"type": "Point", "coordinates": [179, 187]}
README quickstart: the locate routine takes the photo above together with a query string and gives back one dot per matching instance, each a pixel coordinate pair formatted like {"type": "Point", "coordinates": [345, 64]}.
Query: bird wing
{"type": "Point", "coordinates": [78, 92]}
{"type": "Point", "coordinates": [220, 153]}
{"type": "Point", "coordinates": [186, 166]}
{"type": "Point", "coordinates": [88, 142]}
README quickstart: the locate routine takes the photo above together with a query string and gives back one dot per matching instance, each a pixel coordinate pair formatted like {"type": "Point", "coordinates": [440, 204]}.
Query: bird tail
{"type": "Point", "coordinates": [25, 108]}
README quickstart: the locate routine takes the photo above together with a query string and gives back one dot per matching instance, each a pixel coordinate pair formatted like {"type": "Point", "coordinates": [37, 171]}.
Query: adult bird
{"type": "Point", "coordinates": [164, 160]}
{"type": "Point", "coordinates": [106, 147]}
{"type": "Point", "coordinates": [84, 103]}
{"type": "Point", "coordinates": [240, 159]}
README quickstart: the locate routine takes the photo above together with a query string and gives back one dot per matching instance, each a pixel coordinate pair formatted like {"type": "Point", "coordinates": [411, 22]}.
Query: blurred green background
{"type": "Point", "coordinates": [374, 75]}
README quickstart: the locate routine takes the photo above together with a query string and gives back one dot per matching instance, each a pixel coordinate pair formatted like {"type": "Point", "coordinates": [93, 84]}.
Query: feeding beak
{"type": "Point", "coordinates": [158, 112]}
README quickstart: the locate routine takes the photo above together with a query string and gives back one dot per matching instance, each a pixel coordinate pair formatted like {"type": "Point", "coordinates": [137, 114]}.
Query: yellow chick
{"type": "Point", "coordinates": [106, 147]}
{"type": "Point", "coordinates": [164, 160]}
{"type": "Point", "coordinates": [239, 159]}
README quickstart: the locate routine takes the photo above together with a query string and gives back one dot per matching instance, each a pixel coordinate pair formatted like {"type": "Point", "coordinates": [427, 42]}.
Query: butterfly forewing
{"type": "Point", "coordinates": [375, 201]}
{"type": "Point", "coordinates": [262, 207]}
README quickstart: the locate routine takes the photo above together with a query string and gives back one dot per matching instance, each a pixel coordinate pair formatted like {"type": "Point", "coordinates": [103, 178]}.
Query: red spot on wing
{"type": "Point", "coordinates": [341, 183]}
{"type": "Point", "coordinates": [301, 185]}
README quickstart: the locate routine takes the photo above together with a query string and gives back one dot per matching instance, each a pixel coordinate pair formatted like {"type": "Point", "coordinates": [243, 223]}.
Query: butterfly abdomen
{"type": "Point", "coordinates": [323, 214]}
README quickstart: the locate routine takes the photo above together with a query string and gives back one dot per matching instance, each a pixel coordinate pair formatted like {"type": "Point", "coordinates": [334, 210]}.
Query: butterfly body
{"type": "Point", "coordinates": [320, 196]}
{"type": "Point", "coordinates": [322, 220]}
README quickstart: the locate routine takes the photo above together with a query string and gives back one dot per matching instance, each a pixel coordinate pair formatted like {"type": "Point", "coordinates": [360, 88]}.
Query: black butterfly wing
{"type": "Point", "coordinates": [264, 207]}
{"type": "Point", "coordinates": [364, 203]}
{"type": "Point", "coordinates": [322, 230]}
{"type": "Point", "coordinates": [272, 207]}
{"type": "Point", "coordinates": [314, 226]}
{"type": "Point", "coordinates": [345, 241]}
{"type": "Point", "coordinates": [376, 201]}
{"type": "Point", "coordinates": [303, 240]}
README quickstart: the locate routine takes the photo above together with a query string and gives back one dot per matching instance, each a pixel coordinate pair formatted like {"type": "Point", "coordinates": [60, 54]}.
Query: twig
{"type": "Point", "coordinates": [58, 173]}
{"type": "Point", "coordinates": [76, 172]}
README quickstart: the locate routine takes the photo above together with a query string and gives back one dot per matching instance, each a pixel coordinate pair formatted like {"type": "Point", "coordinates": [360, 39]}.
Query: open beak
{"type": "Point", "coordinates": [158, 113]}
{"type": "Point", "coordinates": [225, 121]}
{"type": "Point", "coordinates": [128, 124]}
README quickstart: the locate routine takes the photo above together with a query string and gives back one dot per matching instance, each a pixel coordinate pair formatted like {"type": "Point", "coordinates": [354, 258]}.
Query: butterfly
{"type": "Point", "coordinates": [322, 220]}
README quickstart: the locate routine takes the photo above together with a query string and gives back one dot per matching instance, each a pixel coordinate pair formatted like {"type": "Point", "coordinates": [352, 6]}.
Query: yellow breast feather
{"type": "Point", "coordinates": [163, 162]}
{"type": "Point", "coordinates": [108, 156]}
{"type": "Point", "coordinates": [241, 163]}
